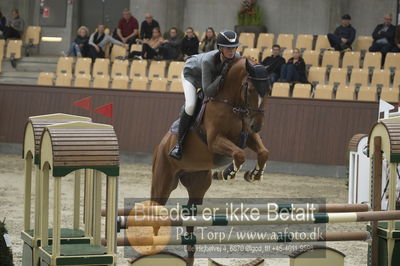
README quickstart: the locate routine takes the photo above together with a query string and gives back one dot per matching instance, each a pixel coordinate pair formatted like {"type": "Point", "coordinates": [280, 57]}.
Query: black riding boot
{"type": "Point", "coordinates": [184, 125]}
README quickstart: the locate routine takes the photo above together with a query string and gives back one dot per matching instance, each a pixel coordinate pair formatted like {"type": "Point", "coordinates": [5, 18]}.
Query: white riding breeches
{"type": "Point", "coordinates": [190, 96]}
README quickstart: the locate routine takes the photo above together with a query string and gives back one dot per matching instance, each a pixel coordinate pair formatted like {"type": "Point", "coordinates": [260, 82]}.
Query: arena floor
{"type": "Point", "coordinates": [135, 182]}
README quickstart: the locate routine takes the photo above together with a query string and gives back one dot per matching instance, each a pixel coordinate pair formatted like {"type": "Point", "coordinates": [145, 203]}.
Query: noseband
{"type": "Point", "coordinates": [244, 110]}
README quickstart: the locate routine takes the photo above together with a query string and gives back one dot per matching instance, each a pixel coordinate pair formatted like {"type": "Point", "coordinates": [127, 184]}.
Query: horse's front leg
{"type": "Point", "coordinates": [255, 143]}
{"type": "Point", "coordinates": [222, 145]}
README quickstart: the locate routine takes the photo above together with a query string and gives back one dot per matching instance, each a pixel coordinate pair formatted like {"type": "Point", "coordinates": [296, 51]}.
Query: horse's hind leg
{"type": "Point", "coordinates": [197, 184]}
{"type": "Point", "coordinates": [164, 180]}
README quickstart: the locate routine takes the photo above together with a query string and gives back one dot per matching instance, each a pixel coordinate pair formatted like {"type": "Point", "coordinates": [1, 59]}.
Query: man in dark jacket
{"type": "Point", "coordinates": [190, 44]}
{"type": "Point", "coordinates": [343, 36]}
{"type": "Point", "coordinates": [274, 63]}
{"type": "Point", "coordinates": [383, 36]}
{"type": "Point", "coordinates": [15, 26]}
{"type": "Point", "coordinates": [171, 46]}
{"type": "Point", "coordinates": [3, 24]}
{"type": "Point", "coordinates": [396, 48]}
{"type": "Point", "coordinates": [147, 26]}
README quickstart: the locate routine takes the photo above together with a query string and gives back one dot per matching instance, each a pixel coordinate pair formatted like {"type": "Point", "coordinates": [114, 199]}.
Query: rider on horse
{"type": "Point", "coordinates": [205, 71]}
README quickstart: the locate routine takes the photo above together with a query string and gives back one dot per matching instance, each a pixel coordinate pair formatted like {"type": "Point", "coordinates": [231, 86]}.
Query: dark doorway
{"type": "Point", "coordinates": [108, 12]}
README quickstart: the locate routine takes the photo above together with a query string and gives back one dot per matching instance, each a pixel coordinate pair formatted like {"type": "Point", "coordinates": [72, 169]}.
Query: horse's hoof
{"type": "Point", "coordinates": [248, 176]}
{"type": "Point", "coordinates": [258, 177]}
{"type": "Point", "coordinates": [217, 175]}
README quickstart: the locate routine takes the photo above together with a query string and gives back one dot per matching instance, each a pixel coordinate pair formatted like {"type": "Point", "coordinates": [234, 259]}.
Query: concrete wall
{"type": "Point", "coordinates": [296, 16]}
{"type": "Point", "coordinates": [66, 33]}
{"type": "Point", "coordinates": [168, 13]}
{"type": "Point", "coordinates": [219, 14]}
{"type": "Point", "coordinates": [366, 14]}
{"type": "Point", "coordinates": [24, 7]}
{"type": "Point", "coordinates": [280, 16]}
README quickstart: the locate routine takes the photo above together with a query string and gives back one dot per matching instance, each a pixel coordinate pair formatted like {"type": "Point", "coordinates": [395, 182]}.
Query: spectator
{"type": "Point", "coordinates": [127, 30]}
{"type": "Point", "coordinates": [3, 24]}
{"type": "Point", "coordinates": [295, 69]}
{"type": "Point", "coordinates": [79, 46]}
{"type": "Point", "coordinates": [151, 47]}
{"type": "Point", "coordinates": [190, 44]}
{"type": "Point", "coordinates": [209, 41]}
{"type": "Point", "coordinates": [15, 27]}
{"type": "Point", "coordinates": [396, 48]}
{"type": "Point", "coordinates": [383, 36]}
{"type": "Point", "coordinates": [147, 26]}
{"type": "Point", "coordinates": [98, 40]}
{"type": "Point", "coordinates": [343, 36]}
{"type": "Point", "coordinates": [274, 64]}
{"type": "Point", "coordinates": [170, 48]}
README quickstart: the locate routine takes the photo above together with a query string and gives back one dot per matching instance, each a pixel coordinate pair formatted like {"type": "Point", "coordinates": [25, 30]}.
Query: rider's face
{"type": "Point", "coordinates": [228, 52]}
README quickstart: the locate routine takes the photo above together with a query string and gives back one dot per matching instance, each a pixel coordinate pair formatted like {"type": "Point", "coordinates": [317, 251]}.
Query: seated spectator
{"type": "Point", "coordinates": [3, 24]}
{"type": "Point", "coordinates": [383, 36]}
{"type": "Point", "coordinates": [170, 48]}
{"type": "Point", "coordinates": [151, 47]}
{"type": "Point", "coordinates": [295, 69]}
{"type": "Point", "coordinates": [15, 26]}
{"type": "Point", "coordinates": [98, 40]}
{"type": "Point", "coordinates": [396, 48]}
{"type": "Point", "coordinates": [274, 64]}
{"type": "Point", "coordinates": [343, 36]}
{"type": "Point", "coordinates": [127, 30]}
{"type": "Point", "coordinates": [209, 41]}
{"type": "Point", "coordinates": [147, 26]}
{"type": "Point", "coordinates": [190, 44]}
{"type": "Point", "coordinates": [79, 46]}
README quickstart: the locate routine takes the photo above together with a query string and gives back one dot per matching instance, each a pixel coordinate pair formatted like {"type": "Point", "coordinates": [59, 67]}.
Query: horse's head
{"type": "Point", "coordinates": [257, 90]}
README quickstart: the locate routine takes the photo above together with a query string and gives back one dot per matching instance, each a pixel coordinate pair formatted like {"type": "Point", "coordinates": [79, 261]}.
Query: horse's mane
{"type": "Point", "coordinates": [235, 63]}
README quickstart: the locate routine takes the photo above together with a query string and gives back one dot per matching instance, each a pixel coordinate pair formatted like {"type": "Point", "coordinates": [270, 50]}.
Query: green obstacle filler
{"type": "Point", "coordinates": [141, 209]}
{"type": "Point", "coordinates": [383, 142]}
{"type": "Point", "coordinates": [317, 218]}
{"type": "Point", "coordinates": [88, 147]}
{"type": "Point", "coordinates": [31, 155]}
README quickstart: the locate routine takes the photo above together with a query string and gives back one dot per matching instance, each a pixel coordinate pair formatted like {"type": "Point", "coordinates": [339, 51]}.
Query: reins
{"type": "Point", "coordinates": [242, 111]}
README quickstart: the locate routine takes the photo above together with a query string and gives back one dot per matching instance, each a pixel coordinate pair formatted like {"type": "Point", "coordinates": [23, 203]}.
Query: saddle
{"type": "Point", "coordinates": [198, 117]}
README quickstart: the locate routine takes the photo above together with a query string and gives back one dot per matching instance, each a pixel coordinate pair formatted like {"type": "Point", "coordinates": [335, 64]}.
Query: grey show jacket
{"type": "Point", "coordinates": [203, 71]}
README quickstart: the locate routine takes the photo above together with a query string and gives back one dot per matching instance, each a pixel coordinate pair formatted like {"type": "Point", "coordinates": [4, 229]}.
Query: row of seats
{"type": "Point", "coordinates": [303, 41]}
{"type": "Point", "coordinates": [13, 48]}
{"type": "Point", "coordinates": [379, 77]}
{"type": "Point", "coordinates": [329, 92]}
{"type": "Point", "coordinates": [332, 58]}
{"type": "Point", "coordinates": [101, 67]}
{"type": "Point", "coordinates": [103, 81]}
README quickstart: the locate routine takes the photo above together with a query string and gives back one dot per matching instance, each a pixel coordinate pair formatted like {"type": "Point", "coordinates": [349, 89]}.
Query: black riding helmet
{"type": "Point", "coordinates": [227, 38]}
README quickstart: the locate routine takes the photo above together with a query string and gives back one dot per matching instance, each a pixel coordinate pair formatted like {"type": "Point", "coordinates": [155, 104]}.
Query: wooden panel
{"type": "Point", "coordinates": [81, 136]}
{"type": "Point", "coordinates": [353, 144]}
{"type": "Point", "coordinates": [295, 130]}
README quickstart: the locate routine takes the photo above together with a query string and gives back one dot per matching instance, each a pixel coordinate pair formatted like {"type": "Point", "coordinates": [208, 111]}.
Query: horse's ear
{"type": "Point", "coordinates": [249, 66]}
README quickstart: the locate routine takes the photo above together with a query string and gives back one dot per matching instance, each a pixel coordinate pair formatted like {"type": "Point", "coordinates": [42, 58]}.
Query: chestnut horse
{"type": "Point", "coordinates": [231, 120]}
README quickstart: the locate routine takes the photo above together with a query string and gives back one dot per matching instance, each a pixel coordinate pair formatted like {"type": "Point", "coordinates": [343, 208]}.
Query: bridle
{"type": "Point", "coordinates": [244, 110]}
